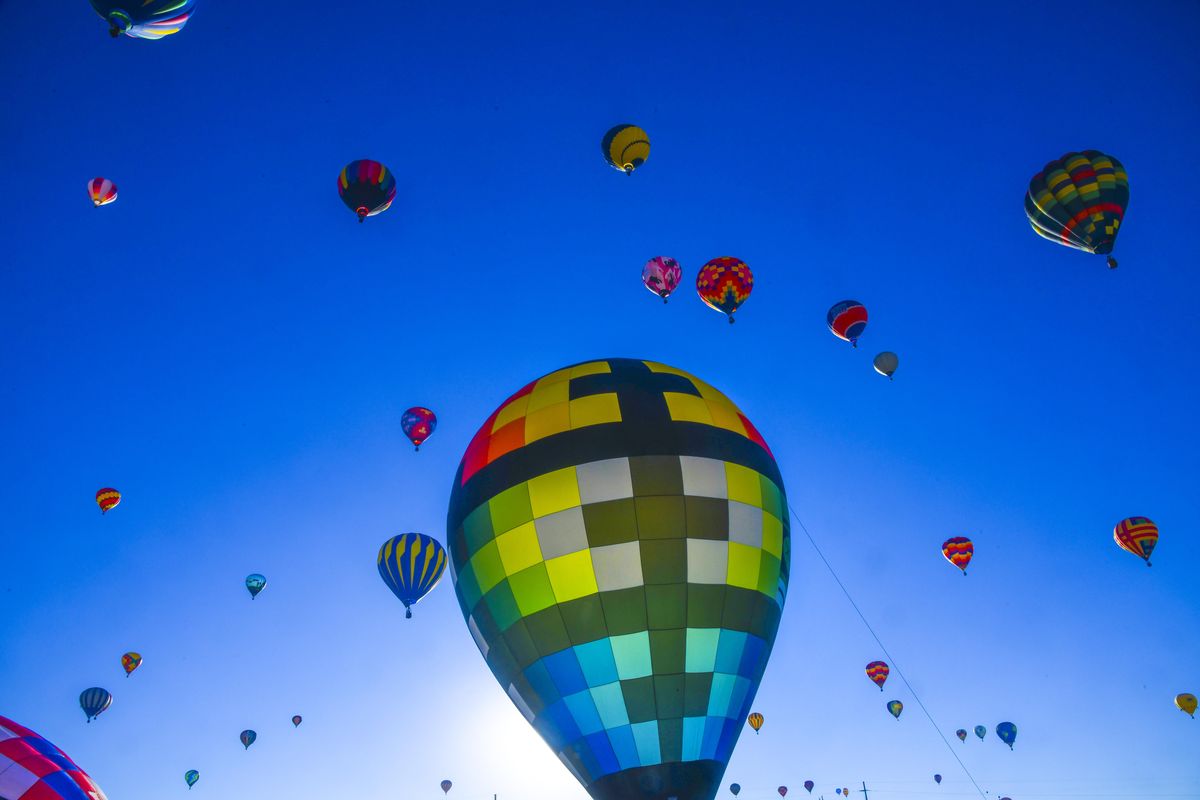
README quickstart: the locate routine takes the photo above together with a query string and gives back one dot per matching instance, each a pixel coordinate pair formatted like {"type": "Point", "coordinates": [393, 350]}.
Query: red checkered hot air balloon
{"type": "Point", "coordinates": [878, 672]}
{"type": "Point", "coordinates": [31, 768]}
{"type": "Point", "coordinates": [102, 191]}
{"type": "Point", "coordinates": [958, 551]}
{"type": "Point", "coordinates": [1138, 535]}
{"type": "Point", "coordinates": [107, 499]}
{"type": "Point", "coordinates": [724, 284]}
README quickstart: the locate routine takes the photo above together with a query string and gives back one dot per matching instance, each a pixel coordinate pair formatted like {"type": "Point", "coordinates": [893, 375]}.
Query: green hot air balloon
{"type": "Point", "coordinates": [191, 776]}
{"type": "Point", "coordinates": [620, 543]}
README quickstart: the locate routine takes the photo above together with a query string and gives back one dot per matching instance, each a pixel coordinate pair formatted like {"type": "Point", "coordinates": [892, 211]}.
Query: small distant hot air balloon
{"type": "Point", "coordinates": [296, 720]}
{"type": "Point", "coordinates": [961, 734]}
{"type": "Point", "coordinates": [661, 275]}
{"type": "Point", "coordinates": [1079, 201]}
{"type": "Point", "coordinates": [191, 776]}
{"type": "Point", "coordinates": [878, 672]}
{"type": "Point", "coordinates": [847, 320]}
{"type": "Point", "coordinates": [1138, 535]}
{"type": "Point", "coordinates": [735, 788]}
{"type": "Point", "coordinates": [958, 551]}
{"type": "Point", "coordinates": [247, 736]}
{"type": "Point", "coordinates": [418, 424]}
{"type": "Point", "coordinates": [886, 364]}
{"type": "Point", "coordinates": [366, 187]}
{"type": "Point", "coordinates": [102, 191]}
{"type": "Point", "coordinates": [131, 661]}
{"type": "Point", "coordinates": [33, 768]}
{"type": "Point", "coordinates": [411, 564]}
{"type": "Point", "coordinates": [94, 702]}
{"type": "Point", "coordinates": [937, 778]}
{"type": "Point", "coordinates": [625, 148]}
{"type": "Point", "coordinates": [782, 791]}
{"type": "Point", "coordinates": [144, 19]}
{"type": "Point", "coordinates": [808, 785]}
{"type": "Point", "coordinates": [894, 708]}
{"type": "Point", "coordinates": [980, 731]}
{"type": "Point", "coordinates": [108, 499]}
{"type": "Point", "coordinates": [724, 284]}
{"type": "Point", "coordinates": [255, 583]}
{"type": "Point", "coordinates": [1186, 703]}
{"type": "Point", "coordinates": [446, 784]}
{"type": "Point", "coordinates": [756, 721]}
{"type": "Point", "coordinates": [1007, 733]}
{"type": "Point", "coordinates": [839, 791]}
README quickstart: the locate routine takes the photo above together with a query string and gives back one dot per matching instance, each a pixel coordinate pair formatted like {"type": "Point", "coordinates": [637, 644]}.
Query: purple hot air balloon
{"type": "Point", "coordinates": [809, 786]}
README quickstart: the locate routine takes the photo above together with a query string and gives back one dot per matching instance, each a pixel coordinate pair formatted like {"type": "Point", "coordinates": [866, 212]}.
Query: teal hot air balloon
{"type": "Point", "coordinates": [619, 538]}
{"type": "Point", "coordinates": [980, 731]}
{"type": "Point", "coordinates": [191, 776]}
{"type": "Point", "coordinates": [894, 708]}
{"type": "Point", "coordinates": [1007, 733]}
{"type": "Point", "coordinates": [94, 702]}
{"type": "Point", "coordinates": [411, 564]}
{"type": "Point", "coordinates": [255, 583]}
{"type": "Point", "coordinates": [247, 737]}
{"type": "Point", "coordinates": [735, 789]}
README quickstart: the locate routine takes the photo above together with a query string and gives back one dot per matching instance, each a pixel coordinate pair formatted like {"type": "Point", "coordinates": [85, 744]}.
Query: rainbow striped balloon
{"type": "Point", "coordinates": [878, 672]}
{"type": "Point", "coordinates": [107, 499]}
{"type": "Point", "coordinates": [1138, 535]}
{"type": "Point", "coordinates": [958, 551]}
{"type": "Point", "coordinates": [102, 191]}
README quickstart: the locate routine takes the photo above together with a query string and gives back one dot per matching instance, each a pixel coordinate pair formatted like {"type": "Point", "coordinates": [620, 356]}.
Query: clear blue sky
{"type": "Point", "coordinates": [230, 349]}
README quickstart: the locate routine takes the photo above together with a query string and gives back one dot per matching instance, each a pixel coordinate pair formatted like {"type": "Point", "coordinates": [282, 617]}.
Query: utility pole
{"type": "Point", "coordinates": [863, 790]}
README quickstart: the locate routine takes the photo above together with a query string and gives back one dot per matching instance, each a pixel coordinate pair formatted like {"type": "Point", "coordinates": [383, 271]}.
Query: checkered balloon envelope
{"type": "Point", "coordinates": [619, 543]}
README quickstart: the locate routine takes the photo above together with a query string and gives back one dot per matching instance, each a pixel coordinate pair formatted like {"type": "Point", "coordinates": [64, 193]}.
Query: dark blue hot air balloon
{"type": "Point", "coordinates": [95, 701]}
{"type": "Point", "coordinates": [411, 564]}
{"type": "Point", "coordinates": [248, 736]}
{"type": "Point", "coordinates": [1007, 733]}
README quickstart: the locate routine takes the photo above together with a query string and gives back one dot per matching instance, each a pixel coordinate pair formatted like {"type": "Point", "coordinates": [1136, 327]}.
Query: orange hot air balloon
{"type": "Point", "coordinates": [102, 191]}
{"type": "Point", "coordinates": [756, 721]}
{"type": "Point", "coordinates": [1138, 535]}
{"type": "Point", "coordinates": [107, 499]}
{"type": "Point", "coordinates": [958, 551]}
{"type": "Point", "coordinates": [878, 672]}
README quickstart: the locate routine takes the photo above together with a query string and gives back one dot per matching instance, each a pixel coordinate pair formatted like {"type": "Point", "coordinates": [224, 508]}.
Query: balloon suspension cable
{"type": "Point", "coordinates": [1112, 263]}
{"type": "Point", "coordinates": [891, 659]}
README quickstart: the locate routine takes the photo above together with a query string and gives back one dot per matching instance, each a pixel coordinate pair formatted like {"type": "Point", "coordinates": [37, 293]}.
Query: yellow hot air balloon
{"type": "Point", "coordinates": [756, 721]}
{"type": "Point", "coordinates": [1186, 703]}
{"type": "Point", "coordinates": [626, 147]}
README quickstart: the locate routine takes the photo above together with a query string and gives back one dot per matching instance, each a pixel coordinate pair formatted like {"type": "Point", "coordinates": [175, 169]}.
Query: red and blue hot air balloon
{"type": "Point", "coordinates": [418, 424]}
{"type": "Point", "coordinates": [366, 187]}
{"type": "Point", "coordinates": [144, 19]}
{"type": "Point", "coordinates": [847, 320]}
{"type": "Point", "coordinates": [32, 768]}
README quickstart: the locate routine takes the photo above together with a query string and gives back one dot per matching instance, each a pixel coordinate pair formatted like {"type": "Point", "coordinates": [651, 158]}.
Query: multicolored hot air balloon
{"type": "Point", "coordinates": [782, 791]}
{"type": "Point", "coordinates": [1138, 535]}
{"type": "Point", "coordinates": [131, 661]}
{"type": "Point", "coordinates": [662, 275]}
{"type": "Point", "coordinates": [247, 738]}
{"type": "Point", "coordinates": [296, 720]}
{"type": "Point", "coordinates": [32, 768]}
{"type": "Point", "coordinates": [366, 187]}
{"type": "Point", "coordinates": [191, 776]}
{"type": "Point", "coordinates": [878, 672]}
{"type": "Point", "coordinates": [894, 708]}
{"type": "Point", "coordinates": [94, 702]}
{"type": "Point", "coordinates": [961, 734]}
{"type": "Point", "coordinates": [1079, 201]}
{"type": "Point", "coordinates": [1007, 733]}
{"type": "Point", "coordinates": [886, 364]}
{"type": "Point", "coordinates": [756, 721]}
{"type": "Point", "coordinates": [847, 320]}
{"type": "Point", "coordinates": [446, 784]}
{"type": "Point", "coordinates": [108, 499]}
{"type": "Point", "coordinates": [625, 148]}
{"type": "Point", "coordinates": [958, 551]}
{"type": "Point", "coordinates": [411, 564]}
{"type": "Point", "coordinates": [102, 191]}
{"type": "Point", "coordinates": [808, 785]}
{"type": "Point", "coordinates": [619, 535]}
{"type": "Point", "coordinates": [735, 789]}
{"type": "Point", "coordinates": [144, 19]}
{"type": "Point", "coordinates": [1186, 703]}
{"type": "Point", "coordinates": [937, 778]}
{"type": "Point", "coordinates": [418, 424]}
{"type": "Point", "coordinates": [724, 284]}
{"type": "Point", "coordinates": [255, 583]}
{"type": "Point", "coordinates": [980, 731]}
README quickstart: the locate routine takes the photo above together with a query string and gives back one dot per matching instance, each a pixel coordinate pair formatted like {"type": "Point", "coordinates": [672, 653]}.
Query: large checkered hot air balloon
{"type": "Point", "coordinates": [144, 19]}
{"type": "Point", "coordinates": [32, 768]}
{"type": "Point", "coordinates": [1079, 201]}
{"type": "Point", "coordinates": [619, 539]}
{"type": "Point", "coordinates": [724, 284]}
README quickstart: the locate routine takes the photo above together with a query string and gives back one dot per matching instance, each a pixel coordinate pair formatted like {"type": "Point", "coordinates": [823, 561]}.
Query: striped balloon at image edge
{"type": "Point", "coordinates": [1137, 535]}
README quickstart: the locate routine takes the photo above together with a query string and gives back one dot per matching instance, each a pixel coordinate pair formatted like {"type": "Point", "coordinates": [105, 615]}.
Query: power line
{"type": "Point", "coordinates": [890, 658]}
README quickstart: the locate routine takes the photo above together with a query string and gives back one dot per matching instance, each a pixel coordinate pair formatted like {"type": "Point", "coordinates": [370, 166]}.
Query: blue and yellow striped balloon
{"type": "Point", "coordinates": [411, 564]}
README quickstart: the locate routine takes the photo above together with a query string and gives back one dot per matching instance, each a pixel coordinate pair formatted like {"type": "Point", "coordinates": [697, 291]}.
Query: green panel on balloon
{"type": "Point", "coordinates": [620, 545]}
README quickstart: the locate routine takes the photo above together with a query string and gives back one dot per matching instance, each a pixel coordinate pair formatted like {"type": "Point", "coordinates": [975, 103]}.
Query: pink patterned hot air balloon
{"type": "Point", "coordinates": [102, 191]}
{"type": "Point", "coordinates": [661, 275]}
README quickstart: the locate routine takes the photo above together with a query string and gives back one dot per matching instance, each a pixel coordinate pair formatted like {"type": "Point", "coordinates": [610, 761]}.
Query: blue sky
{"type": "Point", "coordinates": [226, 346]}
